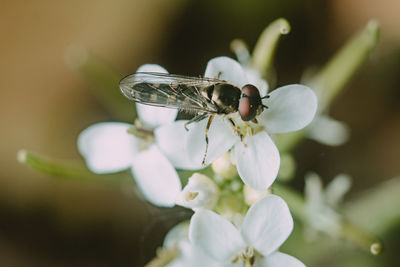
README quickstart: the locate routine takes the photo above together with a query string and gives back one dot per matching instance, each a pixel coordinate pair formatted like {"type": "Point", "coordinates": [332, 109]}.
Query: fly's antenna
{"type": "Point", "coordinates": [264, 97]}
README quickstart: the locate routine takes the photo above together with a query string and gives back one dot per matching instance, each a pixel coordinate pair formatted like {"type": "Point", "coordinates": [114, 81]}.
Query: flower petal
{"type": "Point", "coordinates": [215, 235]}
{"type": "Point", "coordinates": [267, 224]}
{"type": "Point", "coordinates": [156, 178]}
{"type": "Point", "coordinates": [154, 116]}
{"type": "Point", "coordinates": [278, 259]}
{"type": "Point", "coordinates": [107, 147]}
{"type": "Point", "coordinates": [290, 108]}
{"type": "Point", "coordinates": [189, 255]}
{"type": "Point", "coordinates": [256, 80]}
{"type": "Point", "coordinates": [151, 117]}
{"type": "Point", "coordinates": [257, 161]}
{"type": "Point", "coordinates": [337, 188]}
{"type": "Point", "coordinates": [228, 69]}
{"type": "Point", "coordinates": [176, 234]}
{"type": "Point", "coordinates": [151, 68]}
{"type": "Point", "coordinates": [313, 191]}
{"type": "Point", "coordinates": [171, 139]}
{"type": "Point", "coordinates": [220, 139]}
{"type": "Point", "coordinates": [328, 131]}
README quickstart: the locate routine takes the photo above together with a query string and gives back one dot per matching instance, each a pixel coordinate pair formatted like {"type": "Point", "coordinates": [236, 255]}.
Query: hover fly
{"type": "Point", "coordinates": [202, 96]}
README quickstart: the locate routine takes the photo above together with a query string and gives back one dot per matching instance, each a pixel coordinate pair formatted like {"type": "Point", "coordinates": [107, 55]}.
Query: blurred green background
{"type": "Point", "coordinates": [45, 104]}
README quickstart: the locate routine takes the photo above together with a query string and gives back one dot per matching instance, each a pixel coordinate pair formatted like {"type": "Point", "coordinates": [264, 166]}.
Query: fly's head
{"type": "Point", "coordinates": [250, 103]}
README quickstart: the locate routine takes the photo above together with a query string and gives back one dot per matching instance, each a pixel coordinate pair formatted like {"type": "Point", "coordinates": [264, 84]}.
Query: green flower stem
{"type": "Point", "coordinates": [263, 53]}
{"type": "Point", "coordinates": [56, 168]}
{"type": "Point", "coordinates": [338, 71]}
{"type": "Point", "coordinates": [348, 232]}
{"type": "Point", "coordinates": [164, 256]}
{"type": "Point", "coordinates": [105, 81]}
{"type": "Point", "coordinates": [362, 239]}
{"type": "Point", "coordinates": [248, 263]}
{"type": "Point", "coordinates": [334, 75]}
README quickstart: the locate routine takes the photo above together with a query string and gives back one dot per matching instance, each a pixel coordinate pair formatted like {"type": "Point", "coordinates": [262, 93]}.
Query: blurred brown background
{"type": "Point", "coordinates": [44, 105]}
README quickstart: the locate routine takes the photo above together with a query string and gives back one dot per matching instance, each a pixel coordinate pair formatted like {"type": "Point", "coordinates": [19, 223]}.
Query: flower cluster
{"type": "Point", "coordinates": [225, 230]}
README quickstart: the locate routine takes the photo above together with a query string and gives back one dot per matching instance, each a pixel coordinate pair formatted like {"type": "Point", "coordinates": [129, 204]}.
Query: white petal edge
{"type": "Point", "coordinates": [257, 162]}
{"type": "Point", "coordinates": [290, 108]}
{"type": "Point", "coordinates": [171, 139]}
{"type": "Point", "coordinates": [215, 235]}
{"type": "Point", "coordinates": [220, 139]}
{"type": "Point", "coordinates": [256, 80]}
{"type": "Point", "coordinates": [328, 131]}
{"type": "Point", "coordinates": [267, 224]}
{"type": "Point", "coordinates": [151, 68]}
{"type": "Point", "coordinates": [228, 69]}
{"type": "Point", "coordinates": [107, 147]}
{"type": "Point", "coordinates": [279, 259]}
{"type": "Point", "coordinates": [192, 256]}
{"type": "Point", "coordinates": [189, 255]}
{"type": "Point", "coordinates": [154, 116]}
{"type": "Point", "coordinates": [176, 234]}
{"type": "Point", "coordinates": [155, 177]}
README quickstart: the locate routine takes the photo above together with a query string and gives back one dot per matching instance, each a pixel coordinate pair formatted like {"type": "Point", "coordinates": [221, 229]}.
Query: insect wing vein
{"type": "Point", "coordinates": [168, 90]}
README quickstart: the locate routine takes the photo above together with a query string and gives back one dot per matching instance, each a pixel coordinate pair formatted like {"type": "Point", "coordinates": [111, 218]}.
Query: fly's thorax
{"type": "Point", "coordinates": [226, 97]}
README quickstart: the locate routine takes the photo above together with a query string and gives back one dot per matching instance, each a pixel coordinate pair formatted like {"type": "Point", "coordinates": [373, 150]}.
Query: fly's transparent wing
{"type": "Point", "coordinates": [168, 90]}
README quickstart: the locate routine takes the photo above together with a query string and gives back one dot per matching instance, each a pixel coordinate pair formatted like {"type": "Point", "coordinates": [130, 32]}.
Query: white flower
{"type": "Point", "coordinates": [187, 254]}
{"type": "Point", "coordinates": [266, 226]}
{"type": "Point", "coordinates": [108, 147]}
{"type": "Point", "coordinates": [290, 108]}
{"type": "Point", "coordinates": [200, 192]}
{"type": "Point", "coordinates": [321, 204]}
{"type": "Point", "coordinates": [323, 129]}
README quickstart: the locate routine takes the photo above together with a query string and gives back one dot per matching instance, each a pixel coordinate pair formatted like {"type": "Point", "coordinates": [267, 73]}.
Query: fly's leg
{"type": "Point", "coordinates": [206, 136]}
{"type": "Point", "coordinates": [195, 119]}
{"type": "Point", "coordinates": [218, 76]}
{"type": "Point", "coordinates": [236, 129]}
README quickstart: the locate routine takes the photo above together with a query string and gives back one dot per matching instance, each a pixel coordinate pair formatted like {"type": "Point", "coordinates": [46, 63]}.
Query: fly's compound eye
{"type": "Point", "coordinates": [249, 103]}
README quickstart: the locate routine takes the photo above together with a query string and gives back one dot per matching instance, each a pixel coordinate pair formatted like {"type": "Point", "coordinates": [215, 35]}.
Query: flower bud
{"type": "Point", "coordinates": [224, 167]}
{"type": "Point", "coordinates": [200, 192]}
{"type": "Point", "coordinates": [251, 195]}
